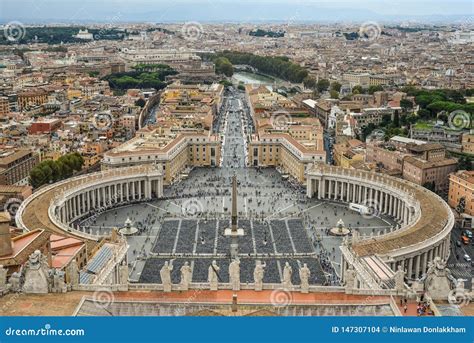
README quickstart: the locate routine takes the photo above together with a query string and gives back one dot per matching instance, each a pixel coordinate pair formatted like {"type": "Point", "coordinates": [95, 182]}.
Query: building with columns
{"type": "Point", "coordinates": [424, 222]}
{"type": "Point", "coordinates": [57, 206]}
{"type": "Point", "coordinates": [174, 150]}
{"type": "Point", "coordinates": [287, 136]}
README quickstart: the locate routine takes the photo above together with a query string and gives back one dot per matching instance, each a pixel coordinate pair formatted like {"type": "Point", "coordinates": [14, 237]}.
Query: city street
{"type": "Point", "coordinates": [460, 268]}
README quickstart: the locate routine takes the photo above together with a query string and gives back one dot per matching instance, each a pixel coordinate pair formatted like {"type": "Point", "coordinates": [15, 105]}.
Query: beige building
{"type": "Point", "coordinates": [182, 138]}
{"type": "Point", "coordinates": [461, 186]}
{"type": "Point", "coordinates": [417, 161]}
{"type": "Point", "coordinates": [287, 137]}
{"type": "Point", "coordinates": [284, 152]}
{"type": "Point", "coordinates": [468, 143]}
{"type": "Point", "coordinates": [176, 150]}
{"type": "Point", "coordinates": [4, 106]}
{"type": "Point", "coordinates": [32, 98]}
{"type": "Point", "coordinates": [348, 153]}
{"type": "Point", "coordinates": [15, 166]}
{"type": "Point", "coordinates": [388, 159]}
{"type": "Point", "coordinates": [429, 173]}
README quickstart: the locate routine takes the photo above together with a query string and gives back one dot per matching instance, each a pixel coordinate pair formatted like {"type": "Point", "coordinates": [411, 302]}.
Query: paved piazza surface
{"type": "Point", "coordinates": [280, 223]}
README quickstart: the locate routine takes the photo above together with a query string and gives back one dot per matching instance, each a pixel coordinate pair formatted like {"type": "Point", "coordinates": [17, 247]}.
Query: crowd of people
{"type": "Point", "coordinates": [263, 196]}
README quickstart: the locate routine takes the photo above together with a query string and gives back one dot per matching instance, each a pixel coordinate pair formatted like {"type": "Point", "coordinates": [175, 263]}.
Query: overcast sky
{"type": "Point", "coordinates": [228, 10]}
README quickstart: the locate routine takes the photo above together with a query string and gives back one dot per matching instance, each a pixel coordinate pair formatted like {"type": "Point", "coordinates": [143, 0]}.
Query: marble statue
{"type": "Point", "coordinates": [287, 272]}
{"type": "Point", "coordinates": [460, 284]}
{"type": "Point", "coordinates": [165, 274]}
{"type": "Point", "coordinates": [15, 282]}
{"type": "Point", "coordinates": [399, 278]}
{"type": "Point", "coordinates": [234, 274]}
{"type": "Point", "coordinates": [350, 278]}
{"type": "Point", "coordinates": [3, 278]}
{"type": "Point", "coordinates": [258, 273]}
{"type": "Point", "coordinates": [114, 235]}
{"type": "Point", "coordinates": [438, 280]}
{"type": "Point", "coordinates": [72, 273]}
{"type": "Point", "coordinates": [185, 276]}
{"type": "Point", "coordinates": [304, 277]}
{"type": "Point", "coordinates": [212, 275]}
{"type": "Point", "coordinates": [355, 237]}
{"type": "Point", "coordinates": [58, 284]}
{"type": "Point", "coordinates": [123, 273]}
{"type": "Point", "coordinates": [37, 274]}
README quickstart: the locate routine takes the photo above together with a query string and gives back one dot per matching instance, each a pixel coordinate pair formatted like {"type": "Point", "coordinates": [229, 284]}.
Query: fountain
{"type": "Point", "coordinates": [128, 229]}
{"type": "Point", "coordinates": [340, 229]}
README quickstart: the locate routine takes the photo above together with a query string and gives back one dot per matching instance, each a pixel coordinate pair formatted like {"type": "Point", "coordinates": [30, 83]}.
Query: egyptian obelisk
{"type": "Point", "coordinates": [234, 232]}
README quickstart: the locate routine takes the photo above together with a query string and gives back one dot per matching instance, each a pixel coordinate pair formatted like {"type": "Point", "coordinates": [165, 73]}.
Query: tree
{"type": "Point", "coordinates": [425, 114]}
{"type": "Point", "coordinates": [396, 119]}
{"type": "Point", "coordinates": [386, 120]}
{"type": "Point", "coordinates": [225, 83]}
{"type": "Point", "coordinates": [309, 82]}
{"type": "Point", "coordinates": [357, 89]}
{"type": "Point", "coordinates": [51, 171]}
{"type": "Point", "coordinates": [464, 163]}
{"type": "Point", "coordinates": [37, 178]}
{"type": "Point", "coordinates": [443, 117]}
{"type": "Point", "coordinates": [334, 94]}
{"type": "Point", "coordinates": [373, 89]}
{"type": "Point", "coordinates": [336, 86]}
{"type": "Point", "coordinates": [278, 66]}
{"type": "Point", "coordinates": [322, 85]}
{"type": "Point", "coordinates": [224, 66]}
{"type": "Point", "coordinates": [406, 104]}
{"type": "Point", "coordinates": [367, 130]}
{"type": "Point", "coordinates": [140, 102]}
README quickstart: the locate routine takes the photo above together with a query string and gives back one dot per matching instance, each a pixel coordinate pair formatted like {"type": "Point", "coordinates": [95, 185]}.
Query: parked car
{"type": "Point", "coordinates": [467, 258]}
{"type": "Point", "coordinates": [467, 233]}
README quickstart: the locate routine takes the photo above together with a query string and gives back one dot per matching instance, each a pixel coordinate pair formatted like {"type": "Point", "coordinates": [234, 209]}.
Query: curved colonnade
{"type": "Point", "coordinates": [425, 220]}
{"type": "Point", "coordinates": [55, 207]}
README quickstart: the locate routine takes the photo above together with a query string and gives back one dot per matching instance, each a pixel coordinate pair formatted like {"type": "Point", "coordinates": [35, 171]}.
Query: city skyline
{"type": "Point", "coordinates": [214, 158]}
{"type": "Point", "coordinates": [54, 11]}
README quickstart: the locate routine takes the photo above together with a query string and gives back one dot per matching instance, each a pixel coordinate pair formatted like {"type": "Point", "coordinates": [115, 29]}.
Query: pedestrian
{"type": "Point", "coordinates": [405, 308]}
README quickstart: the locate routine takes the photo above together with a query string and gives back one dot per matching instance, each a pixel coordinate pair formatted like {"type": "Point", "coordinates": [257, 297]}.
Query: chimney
{"type": "Point", "coordinates": [5, 237]}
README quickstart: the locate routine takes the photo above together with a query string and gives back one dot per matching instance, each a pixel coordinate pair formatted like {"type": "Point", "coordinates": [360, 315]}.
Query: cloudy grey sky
{"type": "Point", "coordinates": [228, 10]}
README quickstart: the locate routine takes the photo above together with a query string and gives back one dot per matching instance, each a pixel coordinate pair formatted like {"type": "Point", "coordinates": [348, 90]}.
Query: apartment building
{"type": "Point", "coordinates": [15, 166]}
{"type": "Point", "coordinates": [461, 187]}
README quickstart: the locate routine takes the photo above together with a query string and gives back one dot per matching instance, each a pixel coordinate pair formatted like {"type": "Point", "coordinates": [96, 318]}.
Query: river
{"type": "Point", "coordinates": [247, 77]}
